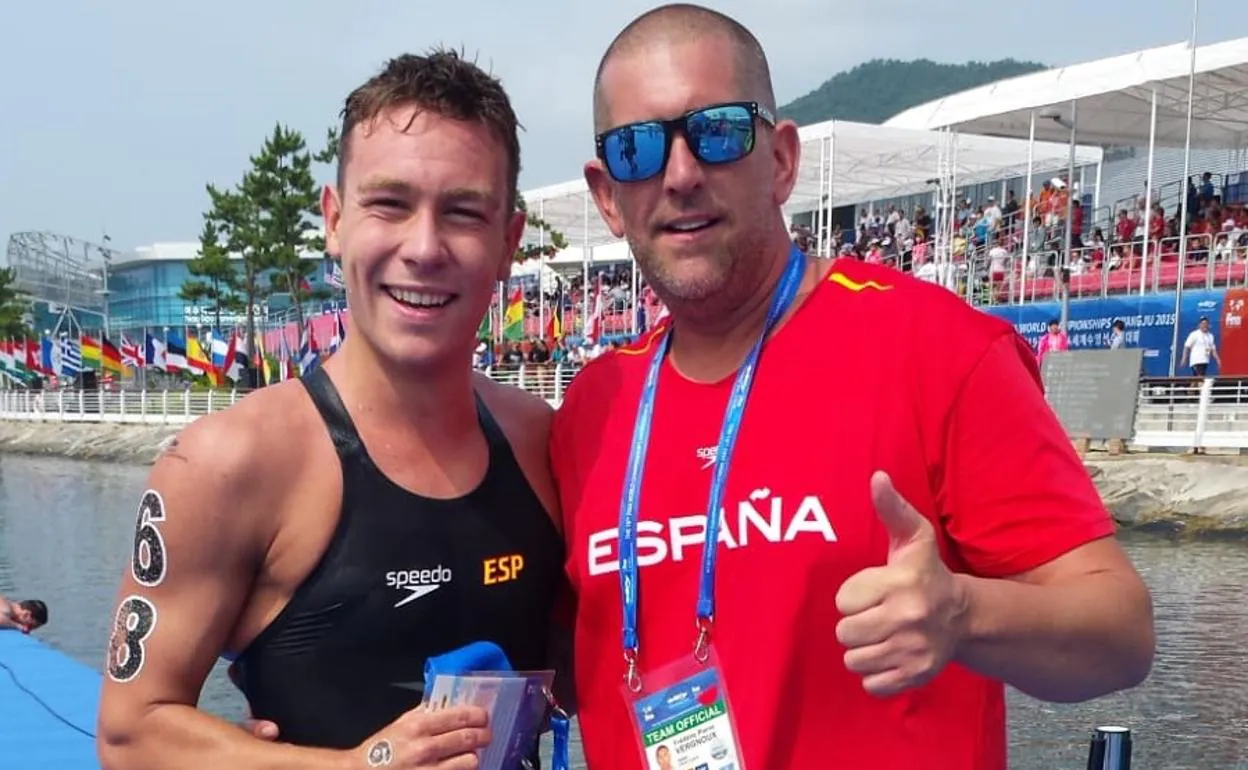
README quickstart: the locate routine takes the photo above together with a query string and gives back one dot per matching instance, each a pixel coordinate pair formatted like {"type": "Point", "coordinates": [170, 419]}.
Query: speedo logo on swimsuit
{"type": "Point", "coordinates": [760, 517]}
{"type": "Point", "coordinates": [417, 582]}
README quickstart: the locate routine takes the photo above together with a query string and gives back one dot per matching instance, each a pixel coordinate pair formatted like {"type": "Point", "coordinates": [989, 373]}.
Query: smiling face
{"type": "Point", "coordinates": [699, 232]}
{"type": "Point", "coordinates": [425, 227]}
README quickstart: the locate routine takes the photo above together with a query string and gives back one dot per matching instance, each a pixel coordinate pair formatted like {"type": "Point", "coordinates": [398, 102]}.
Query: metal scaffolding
{"type": "Point", "coordinates": [69, 274]}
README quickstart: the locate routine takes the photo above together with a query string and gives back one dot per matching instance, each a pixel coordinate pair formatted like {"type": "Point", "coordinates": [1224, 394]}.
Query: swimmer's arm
{"type": "Point", "coordinates": [212, 539]}
{"type": "Point", "coordinates": [6, 617]}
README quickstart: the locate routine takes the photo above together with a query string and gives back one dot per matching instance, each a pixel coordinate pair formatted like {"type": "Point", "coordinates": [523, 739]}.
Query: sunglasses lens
{"type": "Point", "coordinates": [635, 152]}
{"type": "Point", "coordinates": [722, 134]}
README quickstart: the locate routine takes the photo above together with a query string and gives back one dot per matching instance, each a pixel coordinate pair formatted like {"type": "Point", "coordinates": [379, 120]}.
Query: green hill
{"type": "Point", "coordinates": [879, 89]}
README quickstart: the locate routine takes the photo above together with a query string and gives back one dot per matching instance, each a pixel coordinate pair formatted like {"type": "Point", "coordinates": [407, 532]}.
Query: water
{"type": "Point", "coordinates": [66, 527]}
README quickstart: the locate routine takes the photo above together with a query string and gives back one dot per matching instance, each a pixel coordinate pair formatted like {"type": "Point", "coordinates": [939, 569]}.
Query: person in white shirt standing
{"type": "Point", "coordinates": [1118, 335]}
{"type": "Point", "coordinates": [1200, 348]}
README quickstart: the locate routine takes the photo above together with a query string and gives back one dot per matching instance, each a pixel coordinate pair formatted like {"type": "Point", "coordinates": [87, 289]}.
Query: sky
{"type": "Point", "coordinates": [114, 116]}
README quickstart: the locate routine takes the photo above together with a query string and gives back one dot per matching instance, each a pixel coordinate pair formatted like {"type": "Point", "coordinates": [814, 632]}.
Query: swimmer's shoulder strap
{"type": "Point", "coordinates": [329, 404]}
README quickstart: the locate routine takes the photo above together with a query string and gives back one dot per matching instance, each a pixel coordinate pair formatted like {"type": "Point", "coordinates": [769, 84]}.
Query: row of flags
{"type": "Point", "coordinates": [512, 315]}
{"type": "Point", "coordinates": [221, 357]}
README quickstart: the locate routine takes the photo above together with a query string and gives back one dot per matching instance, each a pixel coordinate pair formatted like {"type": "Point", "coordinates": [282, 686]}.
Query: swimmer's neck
{"type": "Point", "coordinates": [435, 406]}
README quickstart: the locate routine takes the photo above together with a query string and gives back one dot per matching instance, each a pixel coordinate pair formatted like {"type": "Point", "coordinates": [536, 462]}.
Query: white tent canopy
{"type": "Point", "coordinates": [849, 163]}
{"type": "Point", "coordinates": [1115, 99]}
{"type": "Point", "coordinates": [868, 162]}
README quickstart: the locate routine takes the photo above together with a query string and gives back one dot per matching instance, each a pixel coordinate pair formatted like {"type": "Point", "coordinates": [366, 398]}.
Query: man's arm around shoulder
{"type": "Point", "coordinates": [201, 532]}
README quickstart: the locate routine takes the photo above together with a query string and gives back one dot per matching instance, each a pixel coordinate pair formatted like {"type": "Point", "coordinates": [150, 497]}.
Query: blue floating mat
{"type": "Point", "coordinates": [48, 707]}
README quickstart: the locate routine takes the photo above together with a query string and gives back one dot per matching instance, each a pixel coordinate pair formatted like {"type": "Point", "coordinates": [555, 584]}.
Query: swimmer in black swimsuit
{"type": "Point", "coordinates": [331, 533]}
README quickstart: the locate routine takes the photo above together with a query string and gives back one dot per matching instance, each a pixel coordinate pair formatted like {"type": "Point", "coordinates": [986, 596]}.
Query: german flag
{"type": "Point", "coordinates": [111, 356]}
{"type": "Point", "coordinates": [554, 326]}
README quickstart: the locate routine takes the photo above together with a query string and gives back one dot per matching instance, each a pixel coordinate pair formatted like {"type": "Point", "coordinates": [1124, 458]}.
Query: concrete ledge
{"type": "Point", "coordinates": [1192, 496]}
{"type": "Point", "coordinates": [139, 444]}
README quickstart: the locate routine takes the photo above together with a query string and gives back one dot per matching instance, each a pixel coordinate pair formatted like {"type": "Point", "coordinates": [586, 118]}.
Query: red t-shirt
{"type": "Point", "coordinates": [876, 370]}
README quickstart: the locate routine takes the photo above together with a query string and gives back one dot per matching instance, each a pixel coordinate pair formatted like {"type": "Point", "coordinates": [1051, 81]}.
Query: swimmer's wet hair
{"type": "Point", "coordinates": [445, 83]}
{"type": "Point", "coordinates": [37, 609]}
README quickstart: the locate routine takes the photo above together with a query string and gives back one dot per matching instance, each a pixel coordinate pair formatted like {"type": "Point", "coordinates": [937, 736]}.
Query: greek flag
{"type": "Point", "coordinates": [308, 354]}
{"type": "Point", "coordinates": [71, 357]}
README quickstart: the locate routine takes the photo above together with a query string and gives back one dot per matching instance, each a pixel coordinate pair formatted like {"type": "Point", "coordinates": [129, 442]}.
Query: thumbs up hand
{"type": "Point", "coordinates": [902, 621]}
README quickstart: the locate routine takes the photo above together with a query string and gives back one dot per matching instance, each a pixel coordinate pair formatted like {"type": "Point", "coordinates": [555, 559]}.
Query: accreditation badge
{"type": "Point", "coordinates": [682, 717]}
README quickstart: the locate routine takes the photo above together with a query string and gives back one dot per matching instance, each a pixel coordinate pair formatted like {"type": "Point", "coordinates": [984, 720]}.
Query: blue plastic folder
{"type": "Point", "coordinates": [480, 674]}
{"type": "Point", "coordinates": [478, 656]}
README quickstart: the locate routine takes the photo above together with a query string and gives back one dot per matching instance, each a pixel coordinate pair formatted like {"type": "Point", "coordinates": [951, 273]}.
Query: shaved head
{"type": "Point", "coordinates": [681, 23]}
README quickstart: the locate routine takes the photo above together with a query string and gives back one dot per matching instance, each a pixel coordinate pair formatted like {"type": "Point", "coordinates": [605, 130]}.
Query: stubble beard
{"type": "Point", "coordinates": [709, 293]}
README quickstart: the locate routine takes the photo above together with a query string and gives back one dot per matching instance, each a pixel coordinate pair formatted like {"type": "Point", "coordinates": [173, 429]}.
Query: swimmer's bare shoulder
{"type": "Point", "coordinates": [212, 505]}
{"type": "Point", "coordinates": [525, 419]}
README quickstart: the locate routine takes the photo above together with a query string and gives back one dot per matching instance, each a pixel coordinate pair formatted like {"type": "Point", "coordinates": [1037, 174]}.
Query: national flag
{"type": "Point", "coordinates": [222, 352]}
{"type": "Point", "coordinates": [21, 361]}
{"type": "Point", "coordinates": [34, 357]}
{"type": "Point", "coordinates": [486, 330]}
{"type": "Point", "coordinates": [235, 361]}
{"type": "Point", "coordinates": [197, 359]}
{"type": "Point", "coordinates": [593, 324]}
{"type": "Point", "coordinates": [513, 317]}
{"type": "Point", "coordinates": [340, 333]}
{"type": "Point", "coordinates": [175, 351]}
{"type": "Point", "coordinates": [309, 354]}
{"type": "Point", "coordinates": [153, 352]}
{"type": "Point", "coordinates": [131, 352]}
{"type": "Point", "coordinates": [286, 365]}
{"type": "Point", "coordinates": [260, 360]}
{"type": "Point", "coordinates": [554, 325]}
{"type": "Point", "coordinates": [6, 359]}
{"type": "Point", "coordinates": [50, 353]}
{"type": "Point", "coordinates": [91, 354]}
{"type": "Point", "coordinates": [110, 356]}
{"type": "Point", "coordinates": [71, 357]}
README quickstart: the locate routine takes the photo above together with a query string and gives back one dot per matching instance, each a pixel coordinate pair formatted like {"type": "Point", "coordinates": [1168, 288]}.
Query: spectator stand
{"type": "Point", "coordinates": [1106, 99]}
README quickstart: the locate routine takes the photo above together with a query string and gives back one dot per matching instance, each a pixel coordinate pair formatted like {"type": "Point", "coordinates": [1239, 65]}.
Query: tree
{"type": "Point", "coordinates": [329, 155]}
{"type": "Point", "coordinates": [236, 220]}
{"type": "Point", "coordinates": [284, 191]}
{"type": "Point", "coordinates": [552, 243]}
{"type": "Point", "coordinates": [14, 307]}
{"type": "Point", "coordinates": [214, 278]}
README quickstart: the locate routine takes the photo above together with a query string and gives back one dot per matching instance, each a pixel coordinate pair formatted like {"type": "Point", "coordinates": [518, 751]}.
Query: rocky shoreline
{"type": "Point", "coordinates": [108, 442]}
{"type": "Point", "coordinates": [1202, 497]}
{"type": "Point", "coordinates": [1178, 496]}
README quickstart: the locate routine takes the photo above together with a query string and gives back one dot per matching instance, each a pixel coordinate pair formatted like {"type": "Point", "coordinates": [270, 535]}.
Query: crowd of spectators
{"type": "Point", "coordinates": [988, 238]}
{"type": "Point", "coordinates": [987, 242]}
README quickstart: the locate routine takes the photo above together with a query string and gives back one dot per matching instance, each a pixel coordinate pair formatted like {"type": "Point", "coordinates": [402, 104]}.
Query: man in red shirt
{"type": "Point", "coordinates": [901, 522]}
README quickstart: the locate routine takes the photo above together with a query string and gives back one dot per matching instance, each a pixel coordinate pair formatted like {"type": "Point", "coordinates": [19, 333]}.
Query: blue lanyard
{"type": "Point", "coordinates": [785, 294]}
{"type": "Point", "coordinates": [559, 755]}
